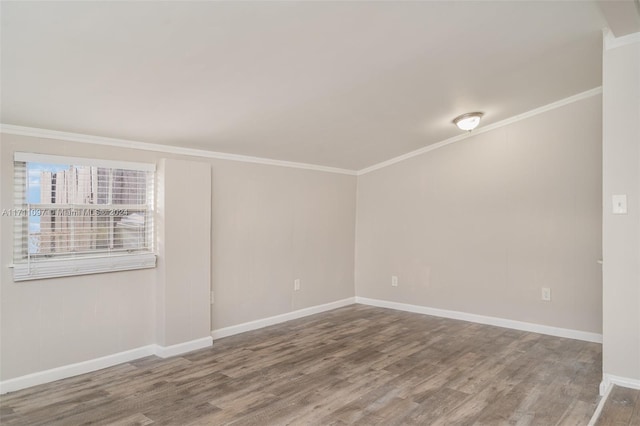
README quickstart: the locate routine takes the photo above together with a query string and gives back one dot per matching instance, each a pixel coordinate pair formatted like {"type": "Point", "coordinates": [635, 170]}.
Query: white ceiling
{"type": "Point", "coordinates": [342, 84]}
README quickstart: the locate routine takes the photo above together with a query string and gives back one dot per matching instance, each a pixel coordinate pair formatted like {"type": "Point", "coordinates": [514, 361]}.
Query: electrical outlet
{"type": "Point", "coordinates": [619, 204]}
{"type": "Point", "coordinates": [394, 281]}
{"type": "Point", "coordinates": [213, 299]}
{"type": "Point", "coordinates": [296, 284]}
{"type": "Point", "coordinates": [546, 294]}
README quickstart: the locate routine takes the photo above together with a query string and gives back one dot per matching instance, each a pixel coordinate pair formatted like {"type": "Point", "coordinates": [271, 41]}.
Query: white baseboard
{"type": "Point", "coordinates": [71, 370]}
{"type": "Point", "coordinates": [182, 348]}
{"type": "Point", "coordinates": [277, 319]}
{"type": "Point", "coordinates": [482, 319]}
{"type": "Point", "coordinates": [600, 406]}
{"type": "Point", "coordinates": [608, 380]}
{"type": "Point", "coordinates": [74, 369]}
{"type": "Point", "coordinates": [88, 366]}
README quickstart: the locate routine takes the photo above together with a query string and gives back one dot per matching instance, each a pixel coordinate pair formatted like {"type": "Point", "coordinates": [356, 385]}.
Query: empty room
{"type": "Point", "coordinates": [320, 212]}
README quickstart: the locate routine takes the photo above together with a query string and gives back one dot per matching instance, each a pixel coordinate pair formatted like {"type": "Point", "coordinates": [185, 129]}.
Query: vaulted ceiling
{"type": "Point", "coordinates": [342, 84]}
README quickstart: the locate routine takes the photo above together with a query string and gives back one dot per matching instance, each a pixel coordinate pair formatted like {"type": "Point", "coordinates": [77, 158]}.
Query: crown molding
{"type": "Point", "coordinates": [610, 41]}
{"type": "Point", "coordinates": [168, 149]}
{"type": "Point", "coordinates": [484, 129]}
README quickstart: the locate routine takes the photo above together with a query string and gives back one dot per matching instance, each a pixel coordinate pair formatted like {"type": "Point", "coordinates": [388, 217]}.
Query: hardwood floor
{"type": "Point", "coordinates": [622, 408]}
{"type": "Point", "coordinates": [354, 365]}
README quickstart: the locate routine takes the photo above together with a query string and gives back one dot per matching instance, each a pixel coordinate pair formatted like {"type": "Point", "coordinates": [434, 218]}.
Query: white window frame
{"type": "Point", "coordinates": [28, 267]}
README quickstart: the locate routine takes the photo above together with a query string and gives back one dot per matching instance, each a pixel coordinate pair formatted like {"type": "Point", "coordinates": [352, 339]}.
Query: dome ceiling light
{"type": "Point", "coordinates": [468, 121]}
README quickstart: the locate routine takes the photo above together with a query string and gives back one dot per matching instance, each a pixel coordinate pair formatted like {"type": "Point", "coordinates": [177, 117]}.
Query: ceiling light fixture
{"type": "Point", "coordinates": [468, 121]}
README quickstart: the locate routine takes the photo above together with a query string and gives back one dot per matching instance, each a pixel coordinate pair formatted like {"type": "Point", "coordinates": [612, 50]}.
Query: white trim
{"type": "Point", "coordinates": [181, 348]}
{"type": "Point", "coordinates": [484, 129]}
{"type": "Point", "coordinates": [603, 400]}
{"type": "Point", "coordinates": [608, 380]}
{"type": "Point", "coordinates": [122, 143]}
{"type": "Point", "coordinates": [277, 319]}
{"type": "Point", "coordinates": [158, 350]}
{"type": "Point", "coordinates": [169, 149]}
{"type": "Point", "coordinates": [88, 366]}
{"type": "Point", "coordinates": [612, 42]}
{"type": "Point", "coordinates": [30, 157]}
{"type": "Point", "coordinates": [53, 268]}
{"type": "Point", "coordinates": [74, 369]}
{"type": "Point", "coordinates": [482, 319]}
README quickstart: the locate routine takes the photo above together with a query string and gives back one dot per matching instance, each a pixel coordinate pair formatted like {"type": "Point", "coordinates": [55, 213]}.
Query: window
{"type": "Point", "coordinates": [77, 216]}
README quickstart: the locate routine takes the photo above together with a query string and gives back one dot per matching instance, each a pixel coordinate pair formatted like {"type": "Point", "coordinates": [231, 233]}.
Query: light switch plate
{"type": "Point", "coordinates": [619, 204]}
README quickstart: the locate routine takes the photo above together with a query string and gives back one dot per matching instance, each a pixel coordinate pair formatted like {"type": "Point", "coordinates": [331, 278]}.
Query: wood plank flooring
{"type": "Point", "coordinates": [354, 365]}
{"type": "Point", "coordinates": [622, 408]}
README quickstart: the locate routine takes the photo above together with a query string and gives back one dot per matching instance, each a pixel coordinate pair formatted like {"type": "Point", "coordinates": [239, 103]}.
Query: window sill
{"type": "Point", "coordinates": [81, 266]}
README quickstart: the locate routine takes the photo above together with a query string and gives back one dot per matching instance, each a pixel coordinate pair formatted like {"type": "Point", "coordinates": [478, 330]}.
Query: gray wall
{"type": "Point", "coordinates": [478, 226]}
{"type": "Point", "coordinates": [481, 225]}
{"type": "Point", "coordinates": [183, 230]}
{"type": "Point", "coordinates": [272, 225]}
{"type": "Point", "coordinates": [621, 233]}
{"type": "Point", "coordinates": [269, 225]}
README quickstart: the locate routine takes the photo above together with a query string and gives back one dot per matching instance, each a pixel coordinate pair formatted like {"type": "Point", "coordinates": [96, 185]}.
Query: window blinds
{"type": "Point", "coordinates": [75, 216]}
